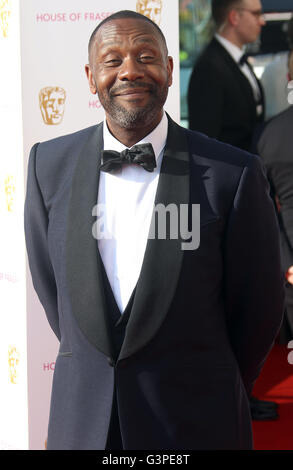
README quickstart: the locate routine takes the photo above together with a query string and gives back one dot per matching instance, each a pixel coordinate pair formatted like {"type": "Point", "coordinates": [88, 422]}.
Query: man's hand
{"type": "Point", "coordinates": [289, 275]}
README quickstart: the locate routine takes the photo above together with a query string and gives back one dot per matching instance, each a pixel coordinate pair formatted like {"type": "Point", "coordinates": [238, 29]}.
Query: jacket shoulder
{"type": "Point", "coordinates": [54, 160]}
{"type": "Point", "coordinates": [52, 154]}
{"type": "Point", "coordinates": [211, 56]}
{"type": "Point", "coordinates": [202, 146]}
{"type": "Point", "coordinates": [276, 140]}
{"type": "Point", "coordinates": [277, 122]}
{"type": "Point", "coordinates": [68, 139]}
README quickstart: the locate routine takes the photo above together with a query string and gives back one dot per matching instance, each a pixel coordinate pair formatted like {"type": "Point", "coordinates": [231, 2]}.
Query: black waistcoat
{"type": "Point", "coordinates": [117, 323]}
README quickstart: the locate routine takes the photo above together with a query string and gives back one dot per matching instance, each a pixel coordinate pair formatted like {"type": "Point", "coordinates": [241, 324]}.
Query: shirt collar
{"type": "Point", "coordinates": [235, 51]}
{"type": "Point", "coordinates": [157, 138]}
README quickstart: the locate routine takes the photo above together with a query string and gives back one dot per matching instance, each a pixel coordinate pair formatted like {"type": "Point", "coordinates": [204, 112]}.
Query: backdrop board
{"type": "Point", "coordinates": [44, 94]}
{"type": "Point", "coordinates": [13, 370]}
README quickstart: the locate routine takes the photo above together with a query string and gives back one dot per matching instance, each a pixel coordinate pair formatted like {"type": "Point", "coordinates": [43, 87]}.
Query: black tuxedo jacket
{"type": "Point", "coordinates": [202, 321]}
{"type": "Point", "coordinates": [221, 103]}
{"type": "Point", "coordinates": [275, 147]}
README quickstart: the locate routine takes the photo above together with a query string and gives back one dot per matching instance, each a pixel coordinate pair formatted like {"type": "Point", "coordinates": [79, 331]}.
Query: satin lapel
{"type": "Point", "coordinates": [163, 258]}
{"type": "Point", "coordinates": [262, 99]}
{"type": "Point", "coordinates": [83, 262]}
{"type": "Point", "coordinates": [261, 91]}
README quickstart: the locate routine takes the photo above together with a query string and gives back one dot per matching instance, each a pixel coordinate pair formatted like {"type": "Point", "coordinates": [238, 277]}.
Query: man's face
{"type": "Point", "coordinates": [250, 20]}
{"type": "Point", "coordinates": [131, 72]}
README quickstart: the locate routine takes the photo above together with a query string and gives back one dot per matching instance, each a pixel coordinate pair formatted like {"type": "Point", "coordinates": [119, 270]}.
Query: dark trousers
{"type": "Point", "coordinates": [286, 332]}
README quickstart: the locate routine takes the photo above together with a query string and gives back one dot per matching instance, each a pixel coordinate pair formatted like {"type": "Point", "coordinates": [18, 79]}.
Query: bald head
{"type": "Point", "coordinates": [125, 14]}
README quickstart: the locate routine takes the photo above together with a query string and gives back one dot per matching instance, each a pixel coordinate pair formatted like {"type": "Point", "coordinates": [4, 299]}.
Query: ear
{"type": "Point", "coordinates": [90, 78]}
{"type": "Point", "coordinates": [233, 17]}
{"type": "Point", "coordinates": [170, 67]}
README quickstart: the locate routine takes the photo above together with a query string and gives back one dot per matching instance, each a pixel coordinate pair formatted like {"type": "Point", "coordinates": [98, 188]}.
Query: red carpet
{"type": "Point", "coordinates": [275, 383]}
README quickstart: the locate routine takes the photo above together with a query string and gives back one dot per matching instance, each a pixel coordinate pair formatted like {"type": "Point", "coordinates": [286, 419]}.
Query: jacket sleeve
{"type": "Point", "coordinates": [254, 282]}
{"type": "Point", "coordinates": [36, 225]}
{"type": "Point", "coordinates": [281, 177]}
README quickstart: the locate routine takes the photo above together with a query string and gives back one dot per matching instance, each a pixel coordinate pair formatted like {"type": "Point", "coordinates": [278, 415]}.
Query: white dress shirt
{"type": "Point", "coordinates": [236, 53]}
{"type": "Point", "coordinates": [128, 200]}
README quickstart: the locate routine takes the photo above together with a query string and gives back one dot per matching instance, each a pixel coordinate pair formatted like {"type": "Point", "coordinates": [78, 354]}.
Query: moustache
{"type": "Point", "coordinates": [120, 88]}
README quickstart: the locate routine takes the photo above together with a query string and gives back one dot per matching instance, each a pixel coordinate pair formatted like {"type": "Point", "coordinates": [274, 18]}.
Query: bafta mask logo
{"type": "Point", "coordinates": [5, 12]}
{"type": "Point", "coordinates": [150, 8]}
{"type": "Point", "coordinates": [10, 186]}
{"type": "Point", "coordinates": [13, 362]}
{"type": "Point", "coordinates": [52, 104]}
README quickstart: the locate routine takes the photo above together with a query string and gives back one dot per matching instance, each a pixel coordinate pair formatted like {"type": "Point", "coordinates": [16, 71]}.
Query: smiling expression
{"type": "Point", "coordinates": [131, 72]}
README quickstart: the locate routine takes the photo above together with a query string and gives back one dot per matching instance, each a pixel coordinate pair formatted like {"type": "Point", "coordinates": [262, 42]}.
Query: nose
{"type": "Point", "coordinates": [130, 70]}
{"type": "Point", "coordinates": [262, 20]}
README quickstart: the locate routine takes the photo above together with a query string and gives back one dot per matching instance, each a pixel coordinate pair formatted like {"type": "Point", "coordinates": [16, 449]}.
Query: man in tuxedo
{"type": "Point", "coordinates": [275, 147]}
{"type": "Point", "coordinates": [161, 340]}
{"type": "Point", "coordinates": [225, 98]}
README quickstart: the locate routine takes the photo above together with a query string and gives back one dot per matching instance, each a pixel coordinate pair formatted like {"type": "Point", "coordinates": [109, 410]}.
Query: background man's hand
{"type": "Point", "coordinates": [289, 275]}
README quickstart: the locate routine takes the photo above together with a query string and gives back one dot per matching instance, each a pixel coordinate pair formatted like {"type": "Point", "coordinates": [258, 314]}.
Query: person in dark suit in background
{"type": "Point", "coordinates": [276, 148]}
{"type": "Point", "coordinates": [225, 98]}
{"type": "Point", "coordinates": [161, 339]}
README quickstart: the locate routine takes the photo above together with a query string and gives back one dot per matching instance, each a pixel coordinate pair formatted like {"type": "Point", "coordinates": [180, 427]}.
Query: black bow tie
{"type": "Point", "coordinates": [244, 60]}
{"type": "Point", "coordinates": [142, 155]}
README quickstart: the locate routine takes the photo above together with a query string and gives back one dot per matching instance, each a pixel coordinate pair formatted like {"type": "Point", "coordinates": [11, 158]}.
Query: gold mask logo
{"type": "Point", "coordinates": [150, 8]}
{"type": "Point", "coordinates": [5, 12]}
{"type": "Point", "coordinates": [52, 104]}
{"type": "Point", "coordinates": [10, 187]}
{"type": "Point", "coordinates": [13, 363]}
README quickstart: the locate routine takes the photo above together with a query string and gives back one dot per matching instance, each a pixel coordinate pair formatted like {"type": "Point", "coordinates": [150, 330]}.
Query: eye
{"type": "Point", "coordinates": [146, 58]}
{"type": "Point", "coordinates": [112, 62]}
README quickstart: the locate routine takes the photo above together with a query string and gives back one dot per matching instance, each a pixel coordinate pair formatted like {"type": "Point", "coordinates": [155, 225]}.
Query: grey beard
{"type": "Point", "coordinates": [138, 117]}
{"type": "Point", "coordinates": [131, 119]}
